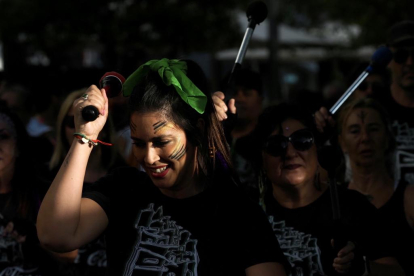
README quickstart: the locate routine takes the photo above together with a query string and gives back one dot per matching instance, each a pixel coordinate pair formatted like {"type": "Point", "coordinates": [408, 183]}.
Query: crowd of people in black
{"type": "Point", "coordinates": [163, 183]}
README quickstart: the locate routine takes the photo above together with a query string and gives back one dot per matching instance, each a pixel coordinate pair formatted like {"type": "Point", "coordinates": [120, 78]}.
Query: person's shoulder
{"type": "Point", "coordinates": [126, 175]}
{"type": "Point", "coordinates": [344, 191]}
{"type": "Point", "coordinates": [396, 110]}
{"type": "Point", "coordinates": [235, 199]}
{"type": "Point", "coordinates": [227, 187]}
{"type": "Point", "coordinates": [352, 197]}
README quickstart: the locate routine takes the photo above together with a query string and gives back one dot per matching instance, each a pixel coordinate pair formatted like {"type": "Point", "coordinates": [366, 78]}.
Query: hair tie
{"type": "Point", "coordinates": [172, 72]}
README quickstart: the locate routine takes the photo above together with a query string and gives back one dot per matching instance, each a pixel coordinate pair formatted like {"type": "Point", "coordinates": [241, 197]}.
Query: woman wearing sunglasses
{"type": "Point", "coordinates": [299, 204]}
{"type": "Point", "coordinates": [184, 214]}
{"type": "Point", "coordinates": [91, 258]}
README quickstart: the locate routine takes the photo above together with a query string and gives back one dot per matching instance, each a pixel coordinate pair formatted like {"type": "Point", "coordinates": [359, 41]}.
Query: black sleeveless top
{"type": "Point", "coordinates": [401, 234]}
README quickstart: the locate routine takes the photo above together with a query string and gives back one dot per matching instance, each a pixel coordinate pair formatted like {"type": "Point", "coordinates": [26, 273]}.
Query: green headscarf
{"type": "Point", "coordinates": [172, 72]}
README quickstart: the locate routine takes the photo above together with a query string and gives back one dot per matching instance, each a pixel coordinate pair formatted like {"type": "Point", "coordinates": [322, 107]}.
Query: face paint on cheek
{"type": "Point", "coordinates": [157, 126]}
{"type": "Point", "coordinates": [180, 150]}
{"type": "Point", "coordinates": [178, 153]}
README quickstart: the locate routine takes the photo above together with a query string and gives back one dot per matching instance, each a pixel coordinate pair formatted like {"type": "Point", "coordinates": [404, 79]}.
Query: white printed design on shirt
{"type": "Point", "coordinates": [93, 254]}
{"type": "Point", "coordinates": [19, 271]}
{"type": "Point", "coordinates": [301, 250]}
{"type": "Point", "coordinates": [404, 159]}
{"type": "Point", "coordinates": [162, 246]}
{"type": "Point", "coordinates": [11, 254]}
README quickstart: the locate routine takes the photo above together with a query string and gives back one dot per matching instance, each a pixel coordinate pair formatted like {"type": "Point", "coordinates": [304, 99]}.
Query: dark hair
{"type": "Point", "coordinates": [249, 79]}
{"type": "Point", "coordinates": [25, 178]}
{"type": "Point", "coordinates": [401, 34]}
{"type": "Point", "coordinates": [152, 95]}
{"type": "Point", "coordinates": [273, 116]}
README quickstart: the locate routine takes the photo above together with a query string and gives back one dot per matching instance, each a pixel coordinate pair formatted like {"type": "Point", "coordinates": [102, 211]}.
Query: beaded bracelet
{"type": "Point", "coordinates": [85, 140]}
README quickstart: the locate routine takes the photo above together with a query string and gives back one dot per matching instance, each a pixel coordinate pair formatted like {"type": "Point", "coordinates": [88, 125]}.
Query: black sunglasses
{"type": "Point", "coordinates": [301, 140]}
{"type": "Point", "coordinates": [401, 55]}
{"type": "Point", "coordinates": [69, 121]}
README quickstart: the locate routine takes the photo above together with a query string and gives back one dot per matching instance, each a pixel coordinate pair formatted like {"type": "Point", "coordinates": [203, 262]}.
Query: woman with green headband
{"type": "Point", "coordinates": [184, 215]}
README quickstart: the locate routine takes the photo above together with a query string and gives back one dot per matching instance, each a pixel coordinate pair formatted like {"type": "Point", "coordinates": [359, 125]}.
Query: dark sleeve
{"type": "Point", "coordinates": [100, 191]}
{"type": "Point", "coordinates": [113, 186]}
{"type": "Point", "coordinates": [368, 232]}
{"type": "Point", "coordinates": [260, 243]}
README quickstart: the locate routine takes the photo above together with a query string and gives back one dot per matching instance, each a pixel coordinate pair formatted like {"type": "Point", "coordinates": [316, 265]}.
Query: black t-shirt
{"type": "Point", "coordinates": [216, 232]}
{"type": "Point", "coordinates": [245, 152]}
{"type": "Point", "coordinates": [305, 233]}
{"type": "Point", "coordinates": [91, 259]}
{"type": "Point", "coordinates": [402, 122]}
{"type": "Point", "coordinates": [17, 257]}
{"type": "Point", "coordinates": [401, 235]}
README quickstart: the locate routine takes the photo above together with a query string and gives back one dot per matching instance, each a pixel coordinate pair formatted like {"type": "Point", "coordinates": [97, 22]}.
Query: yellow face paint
{"type": "Point", "coordinates": [159, 125]}
{"type": "Point", "coordinates": [180, 149]}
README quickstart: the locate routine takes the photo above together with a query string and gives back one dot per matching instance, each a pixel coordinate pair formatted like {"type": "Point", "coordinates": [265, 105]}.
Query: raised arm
{"type": "Point", "coordinates": [65, 220]}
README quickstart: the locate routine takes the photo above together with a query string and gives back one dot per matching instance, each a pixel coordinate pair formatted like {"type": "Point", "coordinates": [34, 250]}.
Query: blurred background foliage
{"type": "Point", "coordinates": [123, 31]}
{"type": "Point", "coordinates": [74, 41]}
{"type": "Point", "coordinates": [374, 17]}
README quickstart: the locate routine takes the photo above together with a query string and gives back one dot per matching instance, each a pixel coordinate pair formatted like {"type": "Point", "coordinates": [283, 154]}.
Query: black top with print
{"type": "Point", "coordinates": [305, 233]}
{"type": "Point", "coordinates": [216, 232]}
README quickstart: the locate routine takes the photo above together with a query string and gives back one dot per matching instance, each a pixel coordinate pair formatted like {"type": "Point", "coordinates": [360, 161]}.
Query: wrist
{"type": "Point", "coordinates": [83, 139]}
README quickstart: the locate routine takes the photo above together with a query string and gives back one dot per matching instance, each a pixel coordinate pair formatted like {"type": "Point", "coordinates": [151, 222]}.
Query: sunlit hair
{"type": "Point", "coordinates": [62, 145]}
{"type": "Point", "coordinates": [374, 105]}
{"type": "Point", "coordinates": [24, 192]}
{"type": "Point", "coordinates": [152, 95]}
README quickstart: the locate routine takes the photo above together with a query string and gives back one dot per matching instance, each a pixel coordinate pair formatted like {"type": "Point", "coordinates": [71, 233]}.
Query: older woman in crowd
{"type": "Point", "coordinates": [366, 138]}
{"type": "Point", "coordinates": [299, 204]}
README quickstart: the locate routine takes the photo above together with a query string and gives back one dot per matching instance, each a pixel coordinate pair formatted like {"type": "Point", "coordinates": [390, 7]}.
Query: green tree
{"type": "Point", "coordinates": [128, 31]}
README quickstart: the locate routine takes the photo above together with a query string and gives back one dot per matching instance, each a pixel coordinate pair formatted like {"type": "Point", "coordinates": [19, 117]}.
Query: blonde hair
{"type": "Point", "coordinates": [62, 146]}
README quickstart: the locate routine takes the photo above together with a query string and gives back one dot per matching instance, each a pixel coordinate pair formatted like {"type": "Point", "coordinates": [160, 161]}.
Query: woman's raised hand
{"type": "Point", "coordinates": [96, 97]}
{"type": "Point", "coordinates": [221, 107]}
{"type": "Point", "coordinates": [323, 119]}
